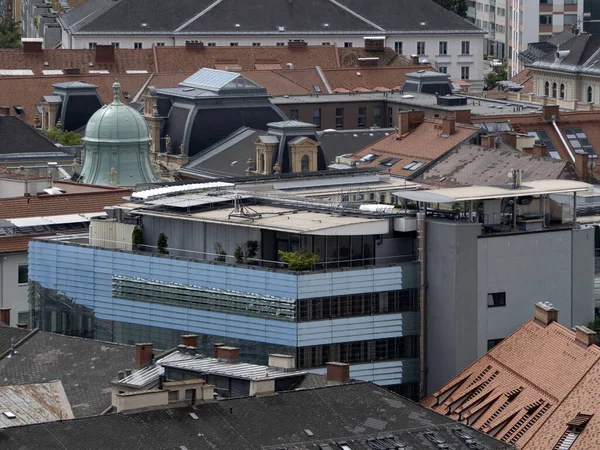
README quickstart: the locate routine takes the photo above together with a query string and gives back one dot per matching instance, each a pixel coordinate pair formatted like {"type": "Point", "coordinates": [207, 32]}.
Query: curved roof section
{"type": "Point", "coordinates": [116, 123]}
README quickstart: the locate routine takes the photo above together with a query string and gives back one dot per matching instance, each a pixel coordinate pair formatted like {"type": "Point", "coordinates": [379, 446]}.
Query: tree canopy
{"type": "Point", "coordinates": [64, 137]}
{"type": "Point", "coordinates": [10, 36]}
{"type": "Point", "coordinates": [456, 6]}
{"type": "Point", "coordinates": [498, 73]}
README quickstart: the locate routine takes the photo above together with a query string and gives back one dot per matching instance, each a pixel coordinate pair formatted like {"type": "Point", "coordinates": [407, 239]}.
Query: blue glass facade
{"type": "Point", "coordinates": [128, 297]}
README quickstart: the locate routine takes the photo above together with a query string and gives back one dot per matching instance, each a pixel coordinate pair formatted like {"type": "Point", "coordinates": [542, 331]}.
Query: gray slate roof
{"type": "Point", "coordinates": [8, 335]}
{"type": "Point", "coordinates": [264, 16]}
{"type": "Point", "coordinates": [578, 54]}
{"type": "Point", "coordinates": [340, 142]}
{"type": "Point", "coordinates": [469, 165]}
{"type": "Point", "coordinates": [16, 137]}
{"type": "Point", "coordinates": [350, 413]}
{"type": "Point", "coordinates": [84, 366]}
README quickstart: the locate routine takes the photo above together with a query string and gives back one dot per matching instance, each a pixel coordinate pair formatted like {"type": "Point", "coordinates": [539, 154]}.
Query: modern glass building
{"type": "Point", "coordinates": [358, 304]}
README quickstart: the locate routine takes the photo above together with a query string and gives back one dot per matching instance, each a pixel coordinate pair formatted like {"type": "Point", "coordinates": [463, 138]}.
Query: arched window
{"type": "Point", "coordinates": [547, 89]}
{"type": "Point", "coordinates": [553, 90]}
{"type": "Point", "coordinates": [261, 163]}
{"type": "Point", "coordinates": [590, 94]}
{"type": "Point", "coordinates": [304, 164]}
{"type": "Point", "coordinates": [562, 91]}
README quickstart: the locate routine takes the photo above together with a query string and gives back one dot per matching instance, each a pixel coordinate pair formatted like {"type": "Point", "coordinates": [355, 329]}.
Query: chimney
{"type": "Point", "coordinates": [297, 44]}
{"type": "Point", "coordinates": [194, 45]}
{"type": "Point", "coordinates": [4, 110]}
{"type": "Point", "coordinates": [550, 110]}
{"type": "Point", "coordinates": [528, 150]}
{"type": "Point", "coordinates": [229, 354]}
{"type": "Point", "coordinates": [546, 313]}
{"type": "Point", "coordinates": [448, 126]}
{"type": "Point", "coordinates": [189, 340]}
{"type": "Point", "coordinates": [462, 116]}
{"type": "Point", "coordinates": [72, 71]}
{"type": "Point", "coordinates": [540, 149]}
{"type": "Point", "coordinates": [337, 373]}
{"type": "Point", "coordinates": [585, 336]}
{"type": "Point", "coordinates": [32, 45]}
{"type": "Point", "coordinates": [128, 372]}
{"type": "Point", "coordinates": [510, 139]}
{"type": "Point", "coordinates": [281, 362]}
{"type": "Point", "coordinates": [216, 348]}
{"type": "Point", "coordinates": [143, 354]}
{"type": "Point", "coordinates": [5, 316]}
{"type": "Point", "coordinates": [581, 165]}
{"type": "Point", "coordinates": [105, 54]}
{"type": "Point", "coordinates": [191, 350]}
{"type": "Point", "coordinates": [120, 375]}
{"type": "Point", "coordinates": [414, 59]}
{"type": "Point", "coordinates": [488, 141]}
{"type": "Point", "coordinates": [403, 122]}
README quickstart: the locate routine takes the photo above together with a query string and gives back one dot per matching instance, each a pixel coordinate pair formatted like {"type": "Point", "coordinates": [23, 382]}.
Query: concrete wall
{"type": "Point", "coordinates": [451, 299]}
{"type": "Point", "coordinates": [12, 294]}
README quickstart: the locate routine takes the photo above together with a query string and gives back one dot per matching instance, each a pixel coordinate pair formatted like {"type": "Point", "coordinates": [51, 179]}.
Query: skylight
{"type": "Point", "coordinates": [543, 137]}
{"type": "Point", "coordinates": [414, 165]}
{"type": "Point", "coordinates": [579, 141]}
{"type": "Point", "coordinates": [369, 157]}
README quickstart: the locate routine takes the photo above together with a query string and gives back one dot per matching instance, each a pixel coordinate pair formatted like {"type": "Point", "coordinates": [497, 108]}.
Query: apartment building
{"type": "Point", "coordinates": [492, 16]}
{"type": "Point", "coordinates": [422, 28]}
{"type": "Point", "coordinates": [491, 253]}
{"type": "Point", "coordinates": [537, 20]}
{"type": "Point", "coordinates": [356, 301]}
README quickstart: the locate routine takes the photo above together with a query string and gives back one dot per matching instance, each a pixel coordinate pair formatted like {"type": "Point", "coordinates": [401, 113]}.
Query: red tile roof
{"type": "Point", "coordinates": [423, 144]}
{"type": "Point", "coordinates": [527, 389]}
{"type": "Point", "coordinates": [79, 198]}
{"type": "Point", "coordinates": [370, 77]}
{"type": "Point", "coordinates": [525, 79]}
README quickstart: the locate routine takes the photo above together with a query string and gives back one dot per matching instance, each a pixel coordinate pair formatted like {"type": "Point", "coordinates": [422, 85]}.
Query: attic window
{"type": "Point", "coordinates": [326, 25]}
{"type": "Point", "coordinates": [575, 427]}
{"type": "Point", "coordinates": [281, 29]}
{"type": "Point", "coordinates": [144, 25]}
{"type": "Point", "coordinates": [369, 157]}
{"type": "Point", "coordinates": [19, 110]}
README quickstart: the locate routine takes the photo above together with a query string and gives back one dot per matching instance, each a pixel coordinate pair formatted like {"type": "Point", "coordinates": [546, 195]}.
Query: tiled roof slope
{"type": "Point", "coordinates": [68, 203]}
{"type": "Point", "coordinates": [468, 165]}
{"type": "Point", "coordinates": [528, 388]}
{"type": "Point", "coordinates": [423, 144]}
{"type": "Point", "coordinates": [369, 78]}
{"type": "Point", "coordinates": [264, 16]}
{"type": "Point", "coordinates": [17, 137]}
{"type": "Point", "coordinates": [10, 335]}
{"type": "Point", "coordinates": [84, 366]}
{"type": "Point", "coordinates": [309, 419]}
{"type": "Point", "coordinates": [525, 79]}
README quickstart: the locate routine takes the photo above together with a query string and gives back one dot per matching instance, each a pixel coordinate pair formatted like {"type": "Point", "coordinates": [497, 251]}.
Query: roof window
{"type": "Point", "coordinates": [575, 427]}
{"type": "Point", "coordinates": [19, 110]}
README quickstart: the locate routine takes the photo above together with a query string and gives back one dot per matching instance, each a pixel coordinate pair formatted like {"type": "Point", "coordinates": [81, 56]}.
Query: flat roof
{"type": "Point", "coordinates": [478, 106]}
{"type": "Point", "coordinates": [280, 218]}
{"type": "Point", "coordinates": [452, 195]}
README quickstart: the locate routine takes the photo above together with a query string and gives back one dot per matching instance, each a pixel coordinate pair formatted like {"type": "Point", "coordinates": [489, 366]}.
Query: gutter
{"type": "Point", "coordinates": [563, 140]}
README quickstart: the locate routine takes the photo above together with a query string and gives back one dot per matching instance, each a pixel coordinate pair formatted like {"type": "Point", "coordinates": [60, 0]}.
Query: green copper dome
{"type": "Point", "coordinates": [117, 146]}
{"type": "Point", "coordinates": [116, 122]}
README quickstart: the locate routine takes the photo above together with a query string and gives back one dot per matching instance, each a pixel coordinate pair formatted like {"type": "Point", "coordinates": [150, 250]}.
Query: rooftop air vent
{"type": "Point", "coordinates": [281, 29]}
{"type": "Point", "coordinates": [144, 25]}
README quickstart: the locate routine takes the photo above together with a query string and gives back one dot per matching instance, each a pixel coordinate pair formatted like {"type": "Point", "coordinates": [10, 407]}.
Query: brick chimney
{"type": "Point", "coordinates": [229, 354]}
{"type": "Point", "coordinates": [527, 150]}
{"type": "Point", "coordinates": [510, 139]}
{"type": "Point", "coordinates": [216, 348]}
{"type": "Point", "coordinates": [4, 110]}
{"type": "Point", "coordinates": [189, 340]}
{"type": "Point", "coordinates": [546, 313]}
{"type": "Point", "coordinates": [408, 120]}
{"type": "Point", "coordinates": [448, 126]}
{"type": "Point", "coordinates": [581, 165]}
{"type": "Point", "coordinates": [550, 110]}
{"type": "Point", "coordinates": [194, 45]}
{"type": "Point", "coordinates": [337, 373]}
{"type": "Point", "coordinates": [462, 116]}
{"type": "Point", "coordinates": [143, 354]}
{"type": "Point", "coordinates": [105, 54]}
{"type": "Point", "coordinates": [488, 141]}
{"type": "Point", "coordinates": [297, 44]}
{"type": "Point", "coordinates": [585, 336]}
{"type": "Point", "coordinates": [414, 59]}
{"type": "Point", "coordinates": [32, 45]}
{"type": "Point", "coordinates": [539, 149]}
{"type": "Point", "coordinates": [5, 316]}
